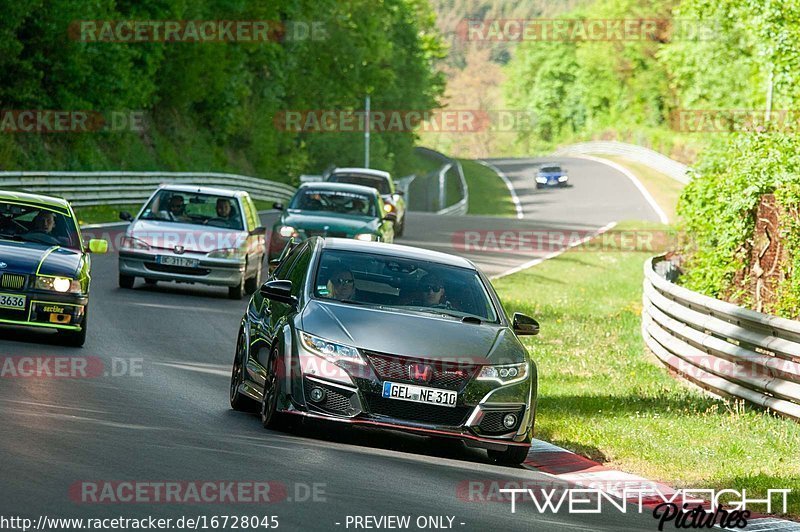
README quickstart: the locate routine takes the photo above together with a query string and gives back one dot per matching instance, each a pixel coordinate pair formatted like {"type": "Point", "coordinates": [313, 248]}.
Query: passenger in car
{"type": "Point", "coordinates": [433, 292]}
{"type": "Point", "coordinates": [341, 285]}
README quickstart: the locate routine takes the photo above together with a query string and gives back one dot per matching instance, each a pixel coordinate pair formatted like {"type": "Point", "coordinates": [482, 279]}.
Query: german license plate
{"type": "Point", "coordinates": [419, 394]}
{"type": "Point", "coordinates": [168, 260]}
{"type": "Point", "coordinates": [12, 301]}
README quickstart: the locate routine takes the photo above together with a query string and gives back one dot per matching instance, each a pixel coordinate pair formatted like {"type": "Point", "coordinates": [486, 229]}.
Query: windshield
{"type": "Point", "coordinates": [550, 169]}
{"type": "Point", "coordinates": [26, 223]}
{"type": "Point", "coordinates": [338, 201]}
{"type": "Point", "coordinates": [194, 208]}
{"type": "Point", "coordinates": [408, 284]}
{"type": "Point", "coordinates": [376, 182]}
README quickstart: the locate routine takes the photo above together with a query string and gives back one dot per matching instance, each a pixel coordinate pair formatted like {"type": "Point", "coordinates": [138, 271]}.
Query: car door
{"type": "Point", "coordinates": [256, 243]}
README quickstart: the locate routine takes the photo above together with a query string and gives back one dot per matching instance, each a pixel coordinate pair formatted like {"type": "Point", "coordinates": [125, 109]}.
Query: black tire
{"type": "Point", "coordinates": [539, 186]}
{"type": "Point", "coordinates": [513, 455]}
{"type": "Point", "coordinates": [75, 338]}
{"type": "Point", "coordinates": [236, 292]}
{"type": "Point", "coordinates": [270, 417]}
{"type": "Point", "coordinates": [126, 281]}
{"type": "Point", "coordinates": [150, 282]}
{"type": "Point", "coordinates": [238, 401]}
{"type": "Point", "coordinates": [254, 283]}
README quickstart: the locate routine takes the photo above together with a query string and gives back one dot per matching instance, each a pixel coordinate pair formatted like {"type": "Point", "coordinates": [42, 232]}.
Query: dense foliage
{"type": "Point", "coordinates": [212, 105]}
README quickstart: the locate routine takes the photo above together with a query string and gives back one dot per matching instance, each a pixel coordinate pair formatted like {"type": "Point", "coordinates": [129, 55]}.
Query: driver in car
{"type": "Point", "coordinates": [43, 225]}
{"type": "Point", "coordinates": [225, 212]}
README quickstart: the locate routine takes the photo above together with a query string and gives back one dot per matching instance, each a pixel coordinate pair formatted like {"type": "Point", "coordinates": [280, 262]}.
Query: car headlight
{"type": "Point", "coordinates": [541, 179]}
{"type": "Point", "coordinates": [562, 178]}
{"type": "Point", "coordinates": [227, 253]}
{"type": "Point", "coordinates": [366, 237]}
{"type": "Point", "coordinates": [388, 207]}
{"type": "Point", "coordinates": [287, 231]}
{"type": "Point", "coordinates": [62, 285]}
{"type": "Point", "coordinates": [504, 373]}
{"type": "Point", "coordinates": [129, 242]}
{"type": "Point", "coordinates": [330, 351]}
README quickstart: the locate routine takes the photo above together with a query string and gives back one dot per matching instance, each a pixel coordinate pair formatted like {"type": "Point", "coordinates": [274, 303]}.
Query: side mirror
{"type": "Point", "coordinates": [278, 206]}
{"type": "Point", "coordinates": [525, 325]}
{"type": "Point", "coordinates": [98, 246]}
{"type": "Point", "coordinates": [279, 290]}
{"type": "Point", "coordinates": [399, 192]}
{"type": "Point", "coordinates": [390, 216]}
{"type": "Point", "coordinates": [125, 216]}
{"type": "Point", "coordinates": [260, 230]}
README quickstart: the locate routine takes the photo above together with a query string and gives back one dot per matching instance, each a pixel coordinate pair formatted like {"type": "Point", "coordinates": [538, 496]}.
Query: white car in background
{"type": "Point", "coordinates": [191, 234]}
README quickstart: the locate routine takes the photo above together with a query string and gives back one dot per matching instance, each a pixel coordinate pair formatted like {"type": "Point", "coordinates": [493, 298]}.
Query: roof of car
{"type": "Point", "coordinates": [38, 199]}
{"type": "Point", "coordinates": [395, 250]}
{"type": "Point", "coordinates": [362, 171]}
{"type": "Point", "coordinates": [216, 191]}
{"type": "Point", "coordinates": [345, 187]}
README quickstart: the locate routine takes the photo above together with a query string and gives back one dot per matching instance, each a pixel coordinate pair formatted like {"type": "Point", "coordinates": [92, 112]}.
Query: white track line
{"type": "Point", "coordinates": [509, 184]}
{"type": "Point", "coordinates": [554, 254]}
{"type": "Point", "coordinates": [635, 180]}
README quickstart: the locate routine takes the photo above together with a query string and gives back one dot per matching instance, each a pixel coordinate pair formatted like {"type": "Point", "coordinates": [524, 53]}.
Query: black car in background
{"type": "Point", "coordinates": [388, 336]}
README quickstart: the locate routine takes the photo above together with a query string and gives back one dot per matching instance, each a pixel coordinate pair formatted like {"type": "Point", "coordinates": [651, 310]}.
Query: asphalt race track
{"type": "Point", "coordinates": [168, 418]}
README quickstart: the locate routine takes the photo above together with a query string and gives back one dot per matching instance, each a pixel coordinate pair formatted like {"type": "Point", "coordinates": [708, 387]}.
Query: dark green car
{"type": "Point", "coordinates": [44, 266]}
{"type": "Point", "coordinates": [332, 210]}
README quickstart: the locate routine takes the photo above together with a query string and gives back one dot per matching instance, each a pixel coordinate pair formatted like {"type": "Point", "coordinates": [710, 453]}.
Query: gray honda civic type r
{"type": "Point", "coordinates": [387, 336]}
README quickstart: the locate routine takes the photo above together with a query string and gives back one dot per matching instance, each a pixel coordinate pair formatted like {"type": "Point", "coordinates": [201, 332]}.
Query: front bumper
{"type": "Point", "coordinates": [214, 272]}
{"type": "Point", "coordinates": [353, 395]}
{"type": "Point", "coordinates": [47, 310]}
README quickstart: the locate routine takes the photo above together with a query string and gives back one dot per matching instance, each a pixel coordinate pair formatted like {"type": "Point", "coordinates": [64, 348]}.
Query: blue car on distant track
{"type": "Point", "coordinates": [551, 175]}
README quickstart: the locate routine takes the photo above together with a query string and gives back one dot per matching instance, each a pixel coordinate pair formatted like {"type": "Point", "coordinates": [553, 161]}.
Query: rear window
{"type": "Point", "coordinates": [376, 182]}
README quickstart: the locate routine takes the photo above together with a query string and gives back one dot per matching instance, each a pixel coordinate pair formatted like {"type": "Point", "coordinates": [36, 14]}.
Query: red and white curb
{"type": "Point", "coordinates": [580, 472]}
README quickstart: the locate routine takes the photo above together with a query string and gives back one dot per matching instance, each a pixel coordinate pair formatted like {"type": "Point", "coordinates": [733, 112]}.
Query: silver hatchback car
{"type": "Point", "coordinates": [191, 234]}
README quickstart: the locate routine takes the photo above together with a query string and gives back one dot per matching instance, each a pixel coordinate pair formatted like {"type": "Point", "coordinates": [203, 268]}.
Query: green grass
{"type": "Point", "coordinates": [601, 394]}
{"type": "Point", "coordinates": [663, 188]}
{"type": "Point", "coordinates": [103, 213]}
{"type": "Point", "coordinates": [488, 194]}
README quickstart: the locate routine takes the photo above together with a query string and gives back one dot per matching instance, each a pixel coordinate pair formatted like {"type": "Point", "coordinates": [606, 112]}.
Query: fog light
{"type": "Point", "coordinates": [509, 420]}
{"type": "Point", "coordinates": [317, 394]}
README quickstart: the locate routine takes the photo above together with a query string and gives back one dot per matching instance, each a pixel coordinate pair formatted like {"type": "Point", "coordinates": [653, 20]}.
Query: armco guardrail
{"type": "Point", "coordinates": [432, 188]}
{"type": "Point", "coordinates": [460, 207]}
{"type": "Point", "coordinates": [116, 188]}
{"type": "Point", "coordinates": [653, 159]}
{"type": "Point", "coordinates": [728, 350]}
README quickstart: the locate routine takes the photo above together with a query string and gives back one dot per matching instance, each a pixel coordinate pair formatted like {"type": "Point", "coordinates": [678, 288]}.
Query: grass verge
{"type": "Point", "coordinates": [488, 194]}
{"type": "Point", "coordinates": [602, 395]}
{"type": "Point", "coordinates": [663, 188]}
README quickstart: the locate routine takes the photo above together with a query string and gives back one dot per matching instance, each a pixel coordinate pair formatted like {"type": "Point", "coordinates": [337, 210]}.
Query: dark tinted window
{"type": "Point", "coordinates": [550, 169]}
{"type": "Point", "coordinates": [338, 201]}
{"type": "Point", "coordinates": [403, 284]}
{"type": "Point", "coordinates": [40, 225]}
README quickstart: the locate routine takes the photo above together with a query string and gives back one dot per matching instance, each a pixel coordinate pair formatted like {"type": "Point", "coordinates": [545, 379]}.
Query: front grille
{"type": "Point", "coordinates": [336, 401]}
{"type": "Point", "coordinates": [181, 270]}
{"type": "Point", "coordinates": [492, 422]}
{"type": "Point", "coordinates": [334, 234]}
{"type": "Point", "coordinates": [422, 413]}
{"type": "Point", "coordinates": [445, 374]}
{"type": "Point", "coordinates": [12, 281]}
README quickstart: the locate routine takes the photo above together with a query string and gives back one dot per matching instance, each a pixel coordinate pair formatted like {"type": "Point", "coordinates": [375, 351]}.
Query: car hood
{"type": "Point", "coordinates": [306, 220]}
{"type": "Point", "coordinates": [30, 258]}
{"type": "Point", "coordinates": [197, 238]}
{"type": "Point", "coordinates": [411, 334]}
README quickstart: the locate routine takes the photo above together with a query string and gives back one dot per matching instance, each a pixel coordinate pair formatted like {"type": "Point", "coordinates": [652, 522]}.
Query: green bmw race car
{"type": "Point", "coordinates": [44, 266]}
